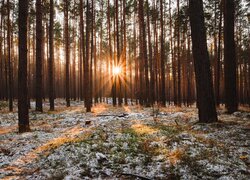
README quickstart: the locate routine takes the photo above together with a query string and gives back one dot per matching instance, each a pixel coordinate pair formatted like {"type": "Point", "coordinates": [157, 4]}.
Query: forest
{"type": "Point", "coordinates": [125, 89]}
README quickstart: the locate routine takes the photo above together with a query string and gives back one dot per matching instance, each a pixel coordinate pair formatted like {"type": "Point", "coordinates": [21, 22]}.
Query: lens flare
{"type": "Point", "coordinates": [117, 70]}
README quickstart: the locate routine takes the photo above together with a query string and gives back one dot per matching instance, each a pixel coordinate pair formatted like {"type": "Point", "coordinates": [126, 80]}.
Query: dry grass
{"type": "Point", "coordinates": [142, 129]}
{"type": "Point", "coordinates": [175, 156]}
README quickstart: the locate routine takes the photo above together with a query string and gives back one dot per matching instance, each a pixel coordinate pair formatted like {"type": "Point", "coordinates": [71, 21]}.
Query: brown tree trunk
{"type": "Point", "coordinates": [39, 61]}
{"type": "Point", "coordinates": [23, 109]}
{"type": "Point", "coordinates": [10, 74]}
{"type": "Point", "coordinates": [51, 57]}
{"type": "Point", "coordinates": [125, 52]}
{"type": "Point", "coordinates": [74, 65]}
{"type": "Point", "coordinates": [218, 64]}
{"type": "Point", "coordinates": [82, 50]}
{"type": "Point", "coordinates": [86, 64]}
{"type": "Point", "coordinates": [163, 86]}
{"type": "Point", "coordinates": [231, 100]}
{"type": "Point", "coordinates": [152, 84]}
{"type": "Point", "coordinates": [204, 85]}
{"type": "Point", "coordinates": [1, 54]}
{"type": "Point", "coordinates": [67, 52]}
{"type": "Point", "coordinates": [118, 52]}
{"type": "Point", "coordinates": [179, 101]}
{"type": "Point", "coordinates": [171, 46]}
{"type": "Point", "coordinates": [144, 80]}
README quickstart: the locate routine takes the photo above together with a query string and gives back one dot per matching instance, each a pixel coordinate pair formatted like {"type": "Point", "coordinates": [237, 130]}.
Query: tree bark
{"type": "Point", "coordinates": [86, 64]}
{"type": "Point", "coordinates": [39, 61]}
{"type": "Point", "coordinates": [163, 79]}
{"type": "Point", "coordinates": [23, 109]}
{"type": "Point", "coordinates": [82, 51]}
{"type": "Point", "coordinates": [218, 63]}
{"type": "Point", "coordinates": [51, 57]}
{"type": "Point", "coordinates": [67, 44]}
{"type": "Point", "coordinates": [204, 85]}
{"type": "Point", "coordinates": [179, 101]}
{"type": "Point", "coordinates": [231, 100]}
{"type": "Point", "coordinates": [10, 74]}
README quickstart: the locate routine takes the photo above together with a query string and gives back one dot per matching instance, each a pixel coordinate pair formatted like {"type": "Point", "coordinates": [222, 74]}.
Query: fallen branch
{"type": "Point", "coordinates": [176, 122]}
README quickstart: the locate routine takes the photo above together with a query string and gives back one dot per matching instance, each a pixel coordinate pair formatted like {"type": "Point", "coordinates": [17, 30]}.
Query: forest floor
{"type": "Point", "coordinates": [128, 142]}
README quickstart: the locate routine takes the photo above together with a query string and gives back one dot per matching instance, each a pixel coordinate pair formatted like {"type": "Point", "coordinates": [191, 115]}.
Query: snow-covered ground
{"type": "Point", "coordinates": [127, 142]}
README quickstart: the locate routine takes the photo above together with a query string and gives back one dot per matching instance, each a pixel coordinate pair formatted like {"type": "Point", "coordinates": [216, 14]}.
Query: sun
{"type": "Point", "coordinates": [117, 70]}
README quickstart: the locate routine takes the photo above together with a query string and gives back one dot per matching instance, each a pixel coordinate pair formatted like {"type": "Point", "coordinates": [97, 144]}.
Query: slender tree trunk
{"type": "Point", "coordinates": [204, 85]}
{"type": "Point", "coordinates": [92, 51]}
{"type": "Point", "coordinates": [1, 54]}
{"type": "Point", "coordinates": [118, 52]}
{"type": "Point", "coordinates": [171, 45]}
{"type": "Point", "coordinates": [10, 91]}
{"type": "Point", "coordinates": [231, 100]}
{"type": "Point", "coordinates": [163, 86]}
{"type": "Point", "coordinates": [110, 51]}
{"type": "Point", "coordinates": [96, 80]}
{"type": "Point", "coordinates": [144, 80]}
{"type": "Point", "coordinates": [125, 51]}
{"type": "Point", "coordinates": [178, 54]}
{"type": "Point", "coordinates": [51, 57]}
{"type": "Point", "coordinates": [151, 86]}
{"type": "Point", "coordinates": [23, 109]}
{"type": "Point", "coordinates": [82, 60]}
{"type": "Point", "coordinates": [74, 65]}
{"type": "Point", "coordinates": [67, 52]}
{"type": "Point", "coordinates": [86, 64]}
{"type": "Point", "coordinates": [39, 61]}
{"type": "Point", "coordinates": [136, 80]}
{"type": "Point", "coordinates": [5, 65]}
{"type": "Point", "coordinates": [218, 66]}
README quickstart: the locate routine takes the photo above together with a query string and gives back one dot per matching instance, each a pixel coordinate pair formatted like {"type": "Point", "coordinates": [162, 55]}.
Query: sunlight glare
{"type": "Point", "coordinates": [117, 70]}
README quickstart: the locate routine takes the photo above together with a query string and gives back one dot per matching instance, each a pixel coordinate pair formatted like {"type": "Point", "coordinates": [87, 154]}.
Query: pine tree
{"type": "Point", "coordinates": [204, 86]}
{"type": "Point", "coordinates": [67, 50]}
{"type": "Point", "coordinates": [39, 60]}
{"type": "Point", "coordinates": [23, 109]}
{"type": "Point", "coordinates": [10, 74]}
{"type": "Point", "coordinates": [51, 57]}
{"type": "Point", "coordinates": [231, 101]}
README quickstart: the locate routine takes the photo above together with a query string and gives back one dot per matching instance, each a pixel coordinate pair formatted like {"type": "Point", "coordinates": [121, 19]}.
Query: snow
{"type": "Point", "coordinates": [124, 140]}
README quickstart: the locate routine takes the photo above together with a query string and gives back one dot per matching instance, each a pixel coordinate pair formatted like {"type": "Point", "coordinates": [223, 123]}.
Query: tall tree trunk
{"type": "Point", "coordinates": [178, 54]}
{"type": "Point", "coordinates": [5, 65]}
{"type": "Point", "coordinates": [118, 63]}
{"type": "Point", "coordinates": [143, 58]}
{"type": "Point", "coordinates": [23, 109]}
{"type": "Point", "coordinates": [163, 86]}
{"type": "Point", "coordinates": [74, 64]}
{"type": "Point", "coordinates": [204, 85]}
{"type": "Point", "coordinates": [136, 80]}
{"type": "Point", "coordinates": [67, 53]}
{"type": "Point", "coordinates": [86, 64]}
{"type": "Point", "coordinates": [171, 47]}
{"type": "Point", "coordinates": [96, 80]}
{"type": "Point", "coordinates": [10, 90]}
{"type": "Point", "coordinates": [51, 57]}
{"type": "Point", "coordinates": [218, 64]}
{"type": "Point", "coordinates": [39, 61]}
{"type": "Point", "coordinates": [92, 50]}
{"type": "Point", "coordinates": [1, 54]}
{"type": "Point", "coordinates": [110, 50]}
{"type": "Point", "coordinates": [152, 84]}
{"type": "Point", "coordinates": [231, 100]}
{"type": "Point", "coordinates": [82, 50]}
{"type": "Point", "coordinates": [125, 52]}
